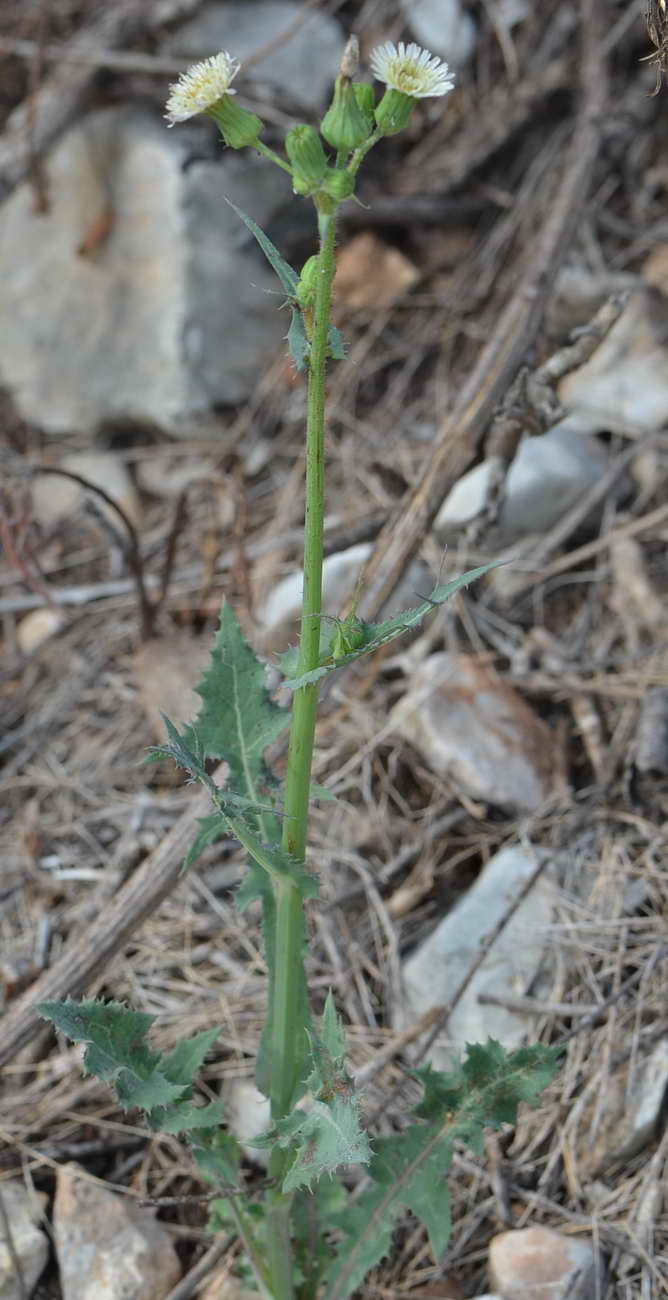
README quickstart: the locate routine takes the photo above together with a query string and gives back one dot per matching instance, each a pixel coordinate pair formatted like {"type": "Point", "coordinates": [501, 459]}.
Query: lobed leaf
{"type": "Point", "coordinates": [117, 1052]}
{"type": "Point", "coordinates": [409, 1170]}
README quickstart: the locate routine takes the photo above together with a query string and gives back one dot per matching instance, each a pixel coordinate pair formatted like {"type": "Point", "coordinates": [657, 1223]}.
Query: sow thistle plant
{"type": "Point", "coordinates": [309, 1235]}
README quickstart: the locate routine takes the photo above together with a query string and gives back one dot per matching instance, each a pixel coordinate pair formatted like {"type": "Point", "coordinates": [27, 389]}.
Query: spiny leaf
{"type": "Point", "coordinates": [325, 1126]}
{"type": "Point", "coordinates": [371, 636]}
{"type": "Point", "coordinates": [238, 719]}
{"type": "Point", "coordinates": [409, 1169]}
{"type": "Point", "coordinates": [327, 1135]}
{"type": "Point", "coordinates": [117, 1051]}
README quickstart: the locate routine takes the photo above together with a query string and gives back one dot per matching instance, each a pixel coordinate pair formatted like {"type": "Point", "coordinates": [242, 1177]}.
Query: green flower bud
{"type": "Point", "coordinates": [309, 164]}
{"type": "Point", "coordinates": [366, 100]}
{"type": "Point", "coordinates": [345, 124]}
{"type": "Point", "coordinates": [338, 184]}
{"type": "Point", "coordinates": [307, 282]}
{"type": "Point", "coordinates": [238, 127]}
{"type": "Point", "coordinates": [394, 111]}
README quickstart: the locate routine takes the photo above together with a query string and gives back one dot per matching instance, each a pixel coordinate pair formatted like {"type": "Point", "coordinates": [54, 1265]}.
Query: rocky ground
{"type": "Point", "coordinates": [497, 844]}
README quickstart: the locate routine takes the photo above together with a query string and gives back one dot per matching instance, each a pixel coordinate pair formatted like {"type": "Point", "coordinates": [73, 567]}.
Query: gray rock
{"type": "Point", "coordinates": [304, 67]}
{"type": "Point", "coordinates": [24, 1209]}
{"type": "Point", "coordinates": [108, 1247]}
{"type": "Point", "coordinates": [430, 976]}
{"type": "Point", "coordinates": [549, 474]}
{"type": "Point", "coordinates": [625, 383]}
{"type": "Point", "coordinates": [443, 27]}
{"type": "Point", "coordinates": [470, 726]}
{"type": "Point", "coordinates": [169, 313]}
{"type": "Point", "coordinates": [539, 1264]}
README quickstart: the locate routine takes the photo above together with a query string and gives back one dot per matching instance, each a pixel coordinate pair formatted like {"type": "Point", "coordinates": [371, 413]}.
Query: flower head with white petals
{"type": "Point", "coordinates": [198, 89]}
{"type": "Point", "coordinates": [411, 70]}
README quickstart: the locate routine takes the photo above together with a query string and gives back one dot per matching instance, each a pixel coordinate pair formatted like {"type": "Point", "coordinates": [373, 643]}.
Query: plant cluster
{"type": "Point", "coordinates": [315, 1128]}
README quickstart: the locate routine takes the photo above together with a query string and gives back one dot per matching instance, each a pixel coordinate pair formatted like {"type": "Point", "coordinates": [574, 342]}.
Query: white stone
{"type": "Point", "coordinates": [37, 627]}
{"type": "Point", "coordinates": [56, 497]}
{"type": "Point", "coordinates": [539, 1264]}
{"type": "Point", "coordinates": [24, 1209]}
{"type": "Point", "coordinates": [443, 27]}
{"type": "Point", "coordinates": [624, 385]}
{"type": "Point", "coordinates": [108, 1247]}
{"type": "Point", "coordinates": [303, 67]}
{"type": "Point", "coordinates": [549, 474]}
{"type": "Point", "coordinates": [475, 729]}
{"type": "Point", "coordinates": [169, 313]}
{"type": "Point", "coordinates": [430, 976]}
{"type": "Point", "coordinates": [283, 607]}
{"type": "Point", "coordinates": [248, 1115]}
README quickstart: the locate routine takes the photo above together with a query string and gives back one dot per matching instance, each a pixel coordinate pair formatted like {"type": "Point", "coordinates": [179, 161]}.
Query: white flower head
{"type": "Point", "coordinates": [201, 87]}
{"type": "Point", "coordinates": [411, 70]}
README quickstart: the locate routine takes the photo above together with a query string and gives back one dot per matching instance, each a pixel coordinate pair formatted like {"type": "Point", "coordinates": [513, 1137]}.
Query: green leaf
{"type": "Point", "coordinates": [288, 278]}
{"type": "Point", "coordinates": [371, 636]}
{"type": "Point", "coordinates": [325, 1126]}
{"type": "Point", "coordinates": [117, 1051]}
{"type": "Point", "coordinates": [115, 1034]}
{"type": "Point", "coordinates": [332, 1033]}
{"type": "Point", "coordinates": [238, 719]}
{"type": "Point", "coordinates": [298, 344]}
{"type": "Point", "coordinates": [187, 1118]}
{"type": "Point", "coordinates": [409, 1170]}
{"type": "Point", "coordinates": [186, 1058]}
{"type": "Point", "coordinates": [219, 1159]}
{"type": "Point", "coordinates": [327, 1135]}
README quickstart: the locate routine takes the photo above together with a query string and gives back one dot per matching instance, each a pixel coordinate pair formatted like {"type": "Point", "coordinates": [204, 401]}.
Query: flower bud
{"type": "Point", "coordinates": [366, 100]}
{"type": "Point", "coordinates": [238, 127]}
{"type": "Point", "coordinates": [338, 184]}
{"type": "Point", "coordinates": [345, 125]}
{"type": "Point", "coordinates": [309, 164]}
{"type": "Point", "coordinates": [393, 112]}
{"type": "Point", "coordinates": [307, 282]}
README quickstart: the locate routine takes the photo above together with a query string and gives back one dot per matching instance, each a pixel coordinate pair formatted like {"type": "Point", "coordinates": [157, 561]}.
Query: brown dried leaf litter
{"type": "Point", "coordinates": [584, 643]}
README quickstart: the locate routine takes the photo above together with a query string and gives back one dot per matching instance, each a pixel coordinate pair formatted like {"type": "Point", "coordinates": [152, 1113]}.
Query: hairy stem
{"type": "Point", "coordinates": [288, 1028]}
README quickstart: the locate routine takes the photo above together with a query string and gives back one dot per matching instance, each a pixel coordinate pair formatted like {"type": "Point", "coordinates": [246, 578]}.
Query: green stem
{"type": "Point", "coordinates": [273, 157]}
{"type": "Point", "coordinates": [288, 1013]}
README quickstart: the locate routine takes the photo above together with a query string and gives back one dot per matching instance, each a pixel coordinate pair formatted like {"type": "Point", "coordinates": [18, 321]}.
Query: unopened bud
{"type": "Point", "coordinates": [309, 164]}
{"type": "Point", "coordinates": [345, 125]}
{"type": "Point", "coordinates": [307, 282]}
{"type": "Point", "coordinates": [338, 184]}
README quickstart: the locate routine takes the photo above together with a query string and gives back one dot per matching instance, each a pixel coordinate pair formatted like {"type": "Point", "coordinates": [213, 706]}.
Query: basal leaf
{"type": "Point", "coordinates": [409, 1170]}
{"type": "Point", "coordinates": [326, 1135]}
{"type": "Point", "coordinates": [117, 1051]}
{"type": "Point", "coordinates": [371, 636]}
{"type": "Point", "coordinates": [116, 1035]}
